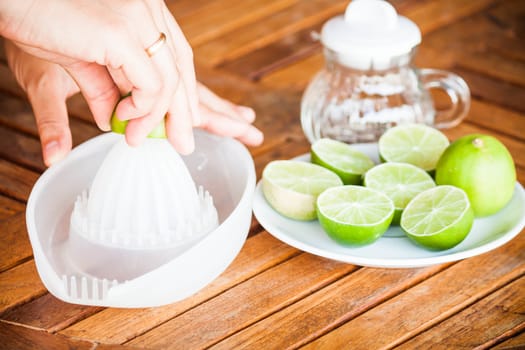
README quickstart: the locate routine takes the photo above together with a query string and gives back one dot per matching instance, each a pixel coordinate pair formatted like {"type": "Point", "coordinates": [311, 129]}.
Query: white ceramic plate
{"type": "Point", "coordinates": [393, 249]}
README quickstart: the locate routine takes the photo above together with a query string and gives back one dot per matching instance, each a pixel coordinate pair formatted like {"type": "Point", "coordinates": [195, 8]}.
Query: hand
{"type": "Point", "coordinates": [101, 44]}
{"type": "Point", "coordinates": [48, 86]}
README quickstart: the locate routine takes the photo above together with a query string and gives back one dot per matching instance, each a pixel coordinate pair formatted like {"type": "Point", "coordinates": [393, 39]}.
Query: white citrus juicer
{"type": "Point", "coordinates": [113, 225]}
{"type": "Point", "coordinates": [143, 198]}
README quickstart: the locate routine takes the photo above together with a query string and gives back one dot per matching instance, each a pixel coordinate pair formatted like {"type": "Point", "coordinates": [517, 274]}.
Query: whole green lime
{"type": "Point", "coordinates": [483, 167]}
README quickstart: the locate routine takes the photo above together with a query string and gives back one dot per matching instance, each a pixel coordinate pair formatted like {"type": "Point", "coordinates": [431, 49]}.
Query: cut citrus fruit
{"type": "Point", "coordinates": [342, 159]}
{"type": "Point", "coordinates": [438, 218]}
{"type": "Point", "coordinates": [400, 182]}
{"type": "Point", "coordinates": [481, 166]}
{"type": "Point", "coordinates": [354, 215]}
{"type": "Point", "coordinates": [291, 187]}
{"type": "Point", "coordinates": [417, 144]}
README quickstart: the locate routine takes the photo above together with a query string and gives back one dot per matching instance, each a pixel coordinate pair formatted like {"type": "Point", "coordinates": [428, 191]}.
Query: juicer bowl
{"type": "Point", "coordinates": [79, 271]}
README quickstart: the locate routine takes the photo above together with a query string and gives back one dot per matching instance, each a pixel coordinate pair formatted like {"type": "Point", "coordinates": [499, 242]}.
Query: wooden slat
{"type": "Point", "coordinates": [20, 149]}
{"type": "Point", "coordinates": [509, 15]}
{"type": "Point", "coordinates": [431, 15]}
{"type": "Point", "coordinates": [264, 32]}
{"type": "Point", "coordinates": [184, 8]}
{"type": "Point", "coordinates": [17, 114]}
{"type": "Point", "coordinates": [295, 76]}
{"type": "Point", "coordinates": [495, 317]}
{"type": "Point", "coordinates": [514, 343]}
{"type": "Point", "coordinates": [48, 313]}
{"type": "Point", "coordinates": [16, 181]}
{"type": "Point", "coordinates": [316, 314]}
{"type": "Point", "coordinates": [508, 122]}
{"type": "Point", "coordinates": [259, 253]}
{"type": "Point", "coordinates": [427, 304]}
{"type": "Point", "coordinates": [246, 303]}
{"type": "Point", "coordinates": [494, 91]}
{"type": "Point", "coordinates": [8, 82]}
{"type": "Point", "coordinates": [8, 207]}
{"type": "Point", "coordinates": [275, 56]}
{"type": "Point", "coordinates": [14, 243]}
{"type": "Point", "coordinates": [19, 285]}
{"type": "Point", "coordinates": [22, 338]}
{"type": "Point", "coordinates": [493, 65]}
{"type": "Point", "coordinates": [207, 23]}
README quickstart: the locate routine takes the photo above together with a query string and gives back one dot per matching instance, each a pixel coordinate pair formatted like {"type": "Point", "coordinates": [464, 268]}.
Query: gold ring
{"type": "Point", "coordinates": [151, 50]}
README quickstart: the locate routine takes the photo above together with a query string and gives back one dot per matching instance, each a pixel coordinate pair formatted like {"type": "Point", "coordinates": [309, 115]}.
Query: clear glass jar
{"type": "Point", "coordinates": [355, 106]}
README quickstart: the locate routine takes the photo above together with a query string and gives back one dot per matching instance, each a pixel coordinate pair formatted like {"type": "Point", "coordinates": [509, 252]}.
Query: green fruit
{"type": "Point", "coordinates": [483, 167]}
{"type": "Point", "coordinates": [438, 218]}
{"type": "Point", "coordinates": [416, 144]}
{"type": "Point", "coordinates": [291, 187]}
{"type": "Point", "coordinates": [354, 215]}
{"type": "Point", "coordinates": [400, 182]}
{"type": "Point", "coordinates": [347, 162]}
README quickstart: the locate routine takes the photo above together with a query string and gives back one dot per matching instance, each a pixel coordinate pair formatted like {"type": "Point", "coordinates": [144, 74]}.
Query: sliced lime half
{"type": "Point", "coordinates": [438, 218]}
{"type": "Point", "coordinates": [399, 181]}
{"type": "Point", "coordinates": [354, 215]}
{"type": "Point", "coordinates": [291, 187]}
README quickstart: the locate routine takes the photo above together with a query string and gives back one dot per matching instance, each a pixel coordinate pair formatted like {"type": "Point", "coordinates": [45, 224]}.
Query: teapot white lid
{"type": "Point", "coordinates": [370, 34]}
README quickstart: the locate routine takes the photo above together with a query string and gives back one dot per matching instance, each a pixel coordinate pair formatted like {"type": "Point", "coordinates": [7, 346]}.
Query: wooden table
{"type": "Point", "coordinates": [274, 296]}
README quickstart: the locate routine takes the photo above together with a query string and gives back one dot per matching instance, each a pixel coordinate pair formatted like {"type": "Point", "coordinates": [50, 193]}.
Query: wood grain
{"type": "Point", "coordinates": [15, 241]}
{"type": "Point", "coordinates": [273, 296]}
{"type": "Point", "coordinates": [48, 313]}
{"type": "Point", "coordinates": [19, 285]}
{"type": "Point", "coordinates": [247, 303]}
{"type": "Point", "coordinates": [325, 310]}
{"type": "Point", "coordinates": [259, 253]}
{"type": "Point", "coordinates": [16, 181]}
{"type": "Point", "coordinates": [261, 33]}
{"type": "Point", "coordinates": [434, 300]}
{"type": "Point", "coordinates": [9, 207]}
{"type": "Point", "coordinates": [499, 315]}
{"type": "Point", "coordinates": [22, 338]}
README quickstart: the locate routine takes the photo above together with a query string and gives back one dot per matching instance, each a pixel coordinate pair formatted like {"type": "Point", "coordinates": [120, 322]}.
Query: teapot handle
{"type": "Point", "coordinates": [455, 87]}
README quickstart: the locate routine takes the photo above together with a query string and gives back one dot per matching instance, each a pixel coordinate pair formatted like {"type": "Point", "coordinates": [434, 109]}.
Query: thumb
{"type": "Point", "coordinates": [53, 126]}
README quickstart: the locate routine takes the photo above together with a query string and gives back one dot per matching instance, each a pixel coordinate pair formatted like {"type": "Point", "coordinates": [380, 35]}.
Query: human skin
{"type": "Point", "coordinates": [57, 48]}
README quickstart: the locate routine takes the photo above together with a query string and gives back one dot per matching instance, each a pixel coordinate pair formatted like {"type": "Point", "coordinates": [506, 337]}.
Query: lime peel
{"type": "Point", "coordinates": [417, 144]}
{"type": "Point", "coordinates": [483, 167]}
{"type": "Point", "coordinates": [354, 215]}
{"type": "Point", "coordinates": [439, 218]}
{"type": "Point", "coordinates": [292, 187]}
{"type": "Point", "coordinates": [339, 157]}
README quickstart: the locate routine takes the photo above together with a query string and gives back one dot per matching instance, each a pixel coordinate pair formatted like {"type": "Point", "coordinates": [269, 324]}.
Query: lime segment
{"type": "Point", "coordinates": [400, 182]}
{"type": "Point", "coordinates": [291, 187]}
{"type": "Point", "coordinates": [416, 144]}
{"type": "Point", "coordinates": [354, 215]}
{"type": "Point", "coordinates": [438, 218]}
{"type": "Point", "coordinates": [342, 159]}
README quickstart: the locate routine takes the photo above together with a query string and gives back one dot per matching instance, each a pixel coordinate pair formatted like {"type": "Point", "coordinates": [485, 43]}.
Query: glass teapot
{"type": "Point", "coordinates": [368, 83]}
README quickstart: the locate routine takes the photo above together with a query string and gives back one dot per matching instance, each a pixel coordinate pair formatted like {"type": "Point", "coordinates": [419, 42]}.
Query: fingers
{"type": "Point", "coordinates": [47, 86]}
{"type": "Point", "coordinates": [53, 126]}
{"type": "Point", "coordinates": [179, 127]}
{"type": "Point", "coordinates": [99, 90]}
{"type": "Point", "coordinates": [225, 118]}
{"type": "Point", "coordinates": [209, 98]}
{"type": "Point", "coordinates": [185, 64]}
{"type": "Point", "coordinates": [231, 125]}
